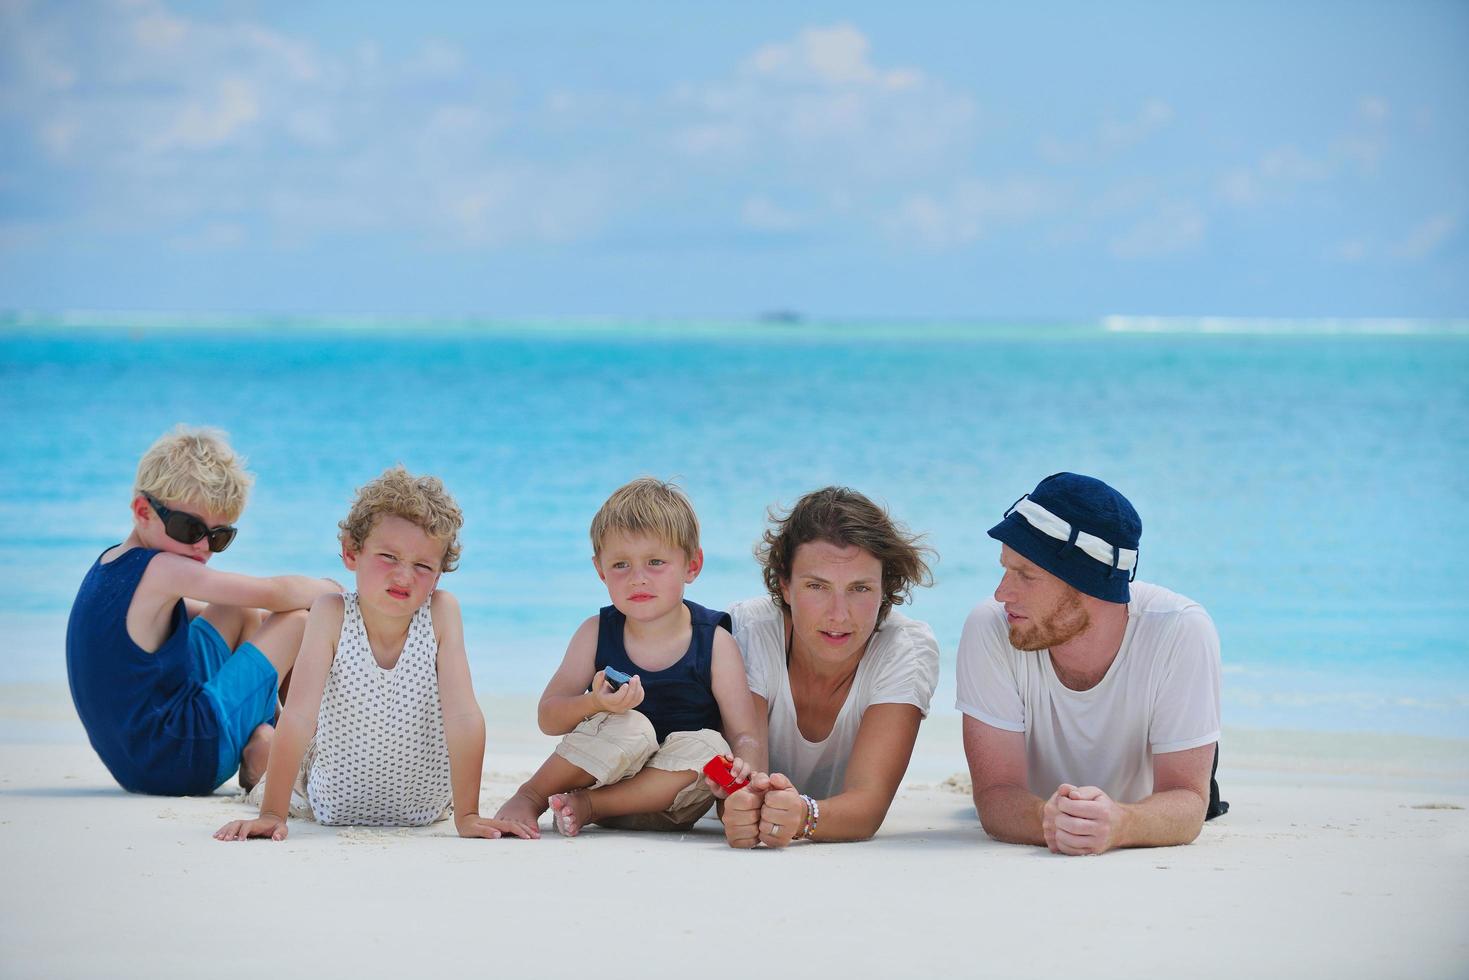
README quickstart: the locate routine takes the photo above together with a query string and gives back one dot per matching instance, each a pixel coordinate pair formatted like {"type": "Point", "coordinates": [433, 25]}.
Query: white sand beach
{"type": "Point", "coordinates": [1341, 857]}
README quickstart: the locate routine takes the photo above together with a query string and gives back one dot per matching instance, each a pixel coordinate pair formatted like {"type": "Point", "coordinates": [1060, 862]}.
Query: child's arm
{"type": "Point", "coordinates": [744, 728]}
{"type": "Point", "coordinates": [464, 726]}
{"type": "Point", "coordinates": [566, 702]}
{"type": "Point", "coordinates": [297, 724]}
{"type": "Point", "coordinates": [170, 577]}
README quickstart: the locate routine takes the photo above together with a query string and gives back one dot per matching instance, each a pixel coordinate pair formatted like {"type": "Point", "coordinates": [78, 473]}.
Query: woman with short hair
{"type": "Point", "coordinates": [840, 677]}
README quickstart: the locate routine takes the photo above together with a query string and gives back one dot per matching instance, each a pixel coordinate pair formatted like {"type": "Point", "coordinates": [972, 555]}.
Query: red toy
{"type": "Point", "coordinates": [718, 769]}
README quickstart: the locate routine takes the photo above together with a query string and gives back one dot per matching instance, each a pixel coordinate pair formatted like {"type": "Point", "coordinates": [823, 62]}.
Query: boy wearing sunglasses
{"type": "Point", "coordinates": [174, 667]}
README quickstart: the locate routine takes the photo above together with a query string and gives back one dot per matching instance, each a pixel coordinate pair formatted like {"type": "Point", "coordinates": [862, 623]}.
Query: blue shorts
{"type": "Point", "coordinates": [241, 685]}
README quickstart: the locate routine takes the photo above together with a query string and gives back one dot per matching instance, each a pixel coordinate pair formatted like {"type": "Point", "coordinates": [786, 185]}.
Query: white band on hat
{"type": "Point", "coordinates": [1052, 526]}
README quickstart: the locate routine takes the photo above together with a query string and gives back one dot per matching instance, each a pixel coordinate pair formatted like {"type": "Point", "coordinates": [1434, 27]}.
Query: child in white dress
{"type": "Point", "coordinates": [381, 727]}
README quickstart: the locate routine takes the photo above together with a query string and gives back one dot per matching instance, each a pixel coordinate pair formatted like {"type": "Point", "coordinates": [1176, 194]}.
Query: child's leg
{"type": "Point", "coordinates": [601, 750]}
{"type": "Point", "coordinates": [680, 761]}
{"type": "Point", "coordinates": [242, 684]}
{"type": "Point", "coordinates": [278, 637]}
{"type": "Point", "coordinates": [650, 791]}
{"type": "Point", "coordinates": [235, 624]}
{"type": "Point", "coordinates": [556, 775]}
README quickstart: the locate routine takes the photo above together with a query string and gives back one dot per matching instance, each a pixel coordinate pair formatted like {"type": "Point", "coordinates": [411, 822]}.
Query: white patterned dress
{"type": "Point", "coordinates": [380, 759]}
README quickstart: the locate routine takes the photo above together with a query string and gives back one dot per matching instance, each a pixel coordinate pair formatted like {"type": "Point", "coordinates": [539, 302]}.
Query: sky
{"type": "Point", "coordinates": [838, 160]}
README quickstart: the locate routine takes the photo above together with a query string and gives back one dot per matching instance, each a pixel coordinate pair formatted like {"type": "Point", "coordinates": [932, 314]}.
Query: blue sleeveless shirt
{"type": "Point", "coordinates": [144, 713]}
{"type": "Point", "coordinates": [679, 698]}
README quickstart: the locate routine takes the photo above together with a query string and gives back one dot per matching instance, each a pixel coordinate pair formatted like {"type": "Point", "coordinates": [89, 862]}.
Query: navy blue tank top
{"type": "Point", "coordinates": [679, 698]}
{"type": "Point", "coordinates": [144, 713]}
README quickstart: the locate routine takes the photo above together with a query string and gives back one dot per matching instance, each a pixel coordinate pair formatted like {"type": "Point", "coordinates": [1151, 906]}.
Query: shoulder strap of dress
{"type": "Point", "coordinates": [423, 627]}
{"type": "Point", "coordinates": [352, 640]}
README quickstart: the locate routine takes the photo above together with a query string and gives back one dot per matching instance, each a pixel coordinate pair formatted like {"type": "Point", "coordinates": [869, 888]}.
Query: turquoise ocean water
{"type": "Point", "coordinates": [1307, 482]}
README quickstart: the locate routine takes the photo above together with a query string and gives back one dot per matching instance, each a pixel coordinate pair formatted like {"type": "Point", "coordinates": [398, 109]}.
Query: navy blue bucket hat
{"type": "Point", "coordinates": [1078, 529]}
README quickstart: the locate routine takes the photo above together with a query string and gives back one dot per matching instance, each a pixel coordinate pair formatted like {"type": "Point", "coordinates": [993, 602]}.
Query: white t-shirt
{"type": "Point", "coordinates": [1160, 695]}
{"type": "Point", "coordinates": [900, 666]}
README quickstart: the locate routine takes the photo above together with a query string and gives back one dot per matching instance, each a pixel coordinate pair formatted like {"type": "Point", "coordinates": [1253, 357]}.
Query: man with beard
{"type": "Point", "coordinates": [1091, 703]}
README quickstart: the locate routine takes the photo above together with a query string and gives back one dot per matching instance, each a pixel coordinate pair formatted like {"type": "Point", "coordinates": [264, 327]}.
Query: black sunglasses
{"type": "Point", "coordinates": [188, 529]}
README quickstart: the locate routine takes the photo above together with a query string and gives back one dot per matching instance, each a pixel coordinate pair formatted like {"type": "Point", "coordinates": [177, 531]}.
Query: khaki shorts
{"type": "Point", "coordinates": [610, 748]}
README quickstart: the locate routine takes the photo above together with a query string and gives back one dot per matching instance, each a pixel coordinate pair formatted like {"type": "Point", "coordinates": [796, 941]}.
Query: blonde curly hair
{"type": "Point", "coordinates": [190, 465]}
{"type": "Point", "coordinates": [421, 500]}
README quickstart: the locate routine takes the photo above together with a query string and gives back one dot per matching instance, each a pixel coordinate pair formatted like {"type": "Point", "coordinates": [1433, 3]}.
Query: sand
{"type": "Point", "coordinates": [1341, 857]}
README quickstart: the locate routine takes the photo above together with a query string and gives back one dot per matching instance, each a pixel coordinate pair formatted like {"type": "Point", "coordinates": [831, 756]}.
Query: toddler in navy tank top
{"type": "Point", "coordinates": [633, 752]}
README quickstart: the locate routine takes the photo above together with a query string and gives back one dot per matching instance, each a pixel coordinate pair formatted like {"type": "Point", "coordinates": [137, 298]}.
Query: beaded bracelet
{"type": "Point", "coordinates": [813, 814]}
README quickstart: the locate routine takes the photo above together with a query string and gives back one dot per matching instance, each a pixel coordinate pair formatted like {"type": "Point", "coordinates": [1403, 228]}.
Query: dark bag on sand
{"type": "Point", "coordinates": [1217, 807]}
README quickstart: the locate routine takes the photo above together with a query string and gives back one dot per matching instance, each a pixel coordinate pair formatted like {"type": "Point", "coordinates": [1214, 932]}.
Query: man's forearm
{"type": "Point", "coordinates": [1011, 814]}
{"type": "Point", "coordinates": [1171, 817]}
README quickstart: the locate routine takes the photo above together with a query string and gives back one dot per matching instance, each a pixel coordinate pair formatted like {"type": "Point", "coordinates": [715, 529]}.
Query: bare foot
{"type": "Point", "coordinates": [524, 807]}
{"type": "Point", "coordinates": [255, 756]}
{"type": "Point", "coordinates": [570, 812]}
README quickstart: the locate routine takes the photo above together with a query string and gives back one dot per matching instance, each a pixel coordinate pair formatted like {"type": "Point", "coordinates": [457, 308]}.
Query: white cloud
{"type": "Point", "coordinates": [189, 122]}
{"type": "Point", "coordinates": [1112, 137]}
{"type": "Point", "coordinates": [459, 125]}
{"type": "Point", "coordinates": [1427, 236]}
{"type": "Point", "coordinates": [711, 140]}
{"type": "Point", "coordinates": [215, 236]}
{"type": "Point", "coordinates": [1287, 163]}
{"type": "Point", "coordinates": [522, 204]}
{"type": "Point", "coordinates": [1241, 187]}
{"type": "Point", "coordinates": [820, 107]}
{"type": "Point", "coordinates": [311, 126]}
{"type": "Point", "coordinates": [762, 214]}
{"type": "Point", "coordinates": [160, 84]}
{"type": "Point", "coordinates": [1351, 250]}
{"type": "Point", "coordinates": [1279, 172]}
{"type": "Point", "coordinates": [200, 124]}
{"type": "Point", "coordinates": [1122, 134]}
{"type": "Point", "coordinates": [36, 59]}
{"type": "Point", "coordinates": [1276, 173]}
{"type": "Point", "coordinates": [437, 58]}
{"type": "Point", "coordinates": [1124, 198]}
{"type": "Point", "coordinates": [834, 56]}
{"type": "Point", "coordinates": [58, 135]}
{"type": "Point", "coordinates": [1374, 109]}
{"type": "Point", "coordinates": [157, 29]}
{"type": "Point", "coordinates": [1366, 143]}
{"type": "Point", "coordinates": [971, 209]}
{"type": "Point", "coordinates": [1173, 228]}
{"type": "Point", "coordinates": [1363, 149]}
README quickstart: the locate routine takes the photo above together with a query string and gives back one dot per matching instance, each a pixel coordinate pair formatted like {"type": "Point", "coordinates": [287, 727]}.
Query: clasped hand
{"type": "Point", "coordinates": [625, 698]}
{"type": "Point", "coordinates": [769, 811]}
{"type": "Point", "coordinates": [1081, 820]}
